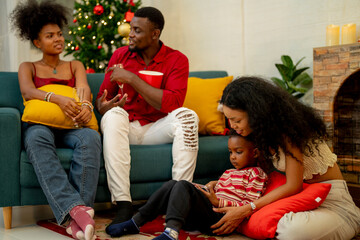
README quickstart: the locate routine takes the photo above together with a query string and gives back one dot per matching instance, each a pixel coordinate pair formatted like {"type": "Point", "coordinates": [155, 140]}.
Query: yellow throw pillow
{"type": "Point", "coordinates": [50, 114]}
{"type": "Point", "coordinates": [203, 96]}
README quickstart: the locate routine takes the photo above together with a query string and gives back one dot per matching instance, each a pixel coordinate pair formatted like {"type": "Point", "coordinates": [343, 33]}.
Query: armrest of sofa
{"type": "Point", "coordinates": [10, 147]}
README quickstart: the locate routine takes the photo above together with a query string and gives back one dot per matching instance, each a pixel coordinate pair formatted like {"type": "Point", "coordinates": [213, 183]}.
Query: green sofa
{"type": "Point", "coordinates": [150, 166]}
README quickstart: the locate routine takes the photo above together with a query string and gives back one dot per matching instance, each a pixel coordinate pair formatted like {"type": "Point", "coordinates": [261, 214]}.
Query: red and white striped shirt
{"type": "Point", "coordinates": [240, 187]}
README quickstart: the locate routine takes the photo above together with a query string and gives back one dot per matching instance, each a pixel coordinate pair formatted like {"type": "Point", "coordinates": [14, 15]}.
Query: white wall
{"type": "Point", "coordinates": [209, 32]}
{"type": "Point", "coordinates": [247, 37]}
{"type": "Point", "coordinates": [243, 37]}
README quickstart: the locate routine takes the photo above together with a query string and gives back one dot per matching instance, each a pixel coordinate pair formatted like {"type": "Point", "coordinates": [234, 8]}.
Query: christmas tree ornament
{"type": "Point", "coordinates": [90, 70]}
{"type": "Point", "coordinates": [75, 20]}
{"type": "Point", "coordinates": [77, 48]}
{"type": "Point", "coordinates": [98, 9]}
{"type": "Point", "coordinates": [124, 29]}
{"type": "Point", "coordinates": [125, 41]}
{"type": "Point", "coordinates": [129, 15]}
{"type": "Point", "coordinates": [89, 26]}
{"type": "Point", "coordinates": [99, 47]}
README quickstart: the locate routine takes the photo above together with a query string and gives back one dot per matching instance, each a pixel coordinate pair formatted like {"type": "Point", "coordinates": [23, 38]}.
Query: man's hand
{"type": "Point", "coordinates": [119, 74]}
{"type": "Point", "coordinates": [102, 105]}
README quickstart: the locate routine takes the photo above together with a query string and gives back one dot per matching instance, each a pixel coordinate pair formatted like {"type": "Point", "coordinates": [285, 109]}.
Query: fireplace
{"type": "Point", "coordinates": [336, 85]}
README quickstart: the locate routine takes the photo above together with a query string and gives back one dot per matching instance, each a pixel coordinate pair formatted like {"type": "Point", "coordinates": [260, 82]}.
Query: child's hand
{"type": "Point", "coordinates": [210, 194]}
{"type": "Point", "coordinates": [211, 185]}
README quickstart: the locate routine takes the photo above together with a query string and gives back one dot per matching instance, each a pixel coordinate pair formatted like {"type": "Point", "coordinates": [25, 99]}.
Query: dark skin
{"type": "Point", "coordinates": [242, 154]}
{"type": "Point", "coordinates": [143, 38]}
{"type": "Point", "coordinates": [51, 42]}
{"type": "Point", "coordinates": [294, 170]}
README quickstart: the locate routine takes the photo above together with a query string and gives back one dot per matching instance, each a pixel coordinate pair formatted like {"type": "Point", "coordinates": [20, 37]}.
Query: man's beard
{"type": "Point", "coordinates": [135, 49]}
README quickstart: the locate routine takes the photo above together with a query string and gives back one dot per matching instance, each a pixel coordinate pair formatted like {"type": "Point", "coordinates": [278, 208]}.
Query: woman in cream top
{"type": "Point", "coordinates": [291, 136]}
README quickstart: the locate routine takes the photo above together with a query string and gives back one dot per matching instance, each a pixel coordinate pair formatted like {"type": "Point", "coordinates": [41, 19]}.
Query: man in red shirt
{"type": "Point", "coordinates": [155, 117]}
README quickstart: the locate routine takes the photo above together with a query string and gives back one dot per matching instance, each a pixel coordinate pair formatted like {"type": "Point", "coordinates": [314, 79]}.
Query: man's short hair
{"type": "Point", "coordinates": [154, 16]}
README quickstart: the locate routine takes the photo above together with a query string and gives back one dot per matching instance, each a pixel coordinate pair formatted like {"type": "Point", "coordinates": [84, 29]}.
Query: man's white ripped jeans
{"type": "Point", "coordinates": [179, 127]}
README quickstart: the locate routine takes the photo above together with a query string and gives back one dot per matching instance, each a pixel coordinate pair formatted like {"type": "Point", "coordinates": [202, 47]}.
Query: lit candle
{"type": "Point", "coordinates": [332, 35]}
{"type": "Point", "coordinates": [348, 33]}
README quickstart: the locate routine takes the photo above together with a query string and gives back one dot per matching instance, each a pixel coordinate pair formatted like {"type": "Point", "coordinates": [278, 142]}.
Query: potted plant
{"type": "Point", "coordinates": [295, 81]}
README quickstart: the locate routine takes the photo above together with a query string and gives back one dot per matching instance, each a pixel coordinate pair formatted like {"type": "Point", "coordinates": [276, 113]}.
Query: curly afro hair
{"type": "Point", "coordinates": [275, 116]}
{"type": "Point", "coordinates": [29, 17]}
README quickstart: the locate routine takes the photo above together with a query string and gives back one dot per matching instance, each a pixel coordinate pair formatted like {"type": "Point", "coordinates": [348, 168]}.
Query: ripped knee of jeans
{"type": "Point", "coordinates": [189, 125]}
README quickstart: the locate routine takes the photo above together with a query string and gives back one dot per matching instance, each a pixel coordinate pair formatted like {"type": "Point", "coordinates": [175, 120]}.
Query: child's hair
{"type": "Point", "coordinates": [29, 17]}
{"type": "Point", "coordinates": [265, 165]}
{"type": "Point", "coordinates": [274, 115]}
{"type": "Point", "coordinates": [233, 133]}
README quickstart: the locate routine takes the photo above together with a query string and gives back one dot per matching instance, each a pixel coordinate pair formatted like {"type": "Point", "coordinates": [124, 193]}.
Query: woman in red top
{"type": "Point", "coordinates": [70, 197]}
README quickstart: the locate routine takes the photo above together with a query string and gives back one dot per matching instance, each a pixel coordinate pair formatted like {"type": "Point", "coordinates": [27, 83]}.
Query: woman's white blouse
{"type": "Point", "coordinates": [316, 163]}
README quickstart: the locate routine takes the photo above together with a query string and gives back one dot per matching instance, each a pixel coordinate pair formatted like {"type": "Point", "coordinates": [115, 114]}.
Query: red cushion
{"type": "Point", "coordinates": [263, 223]}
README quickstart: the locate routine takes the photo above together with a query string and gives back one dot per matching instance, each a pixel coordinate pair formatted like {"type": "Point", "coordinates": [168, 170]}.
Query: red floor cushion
{"type": "Point", "coordinates": [263, 223]}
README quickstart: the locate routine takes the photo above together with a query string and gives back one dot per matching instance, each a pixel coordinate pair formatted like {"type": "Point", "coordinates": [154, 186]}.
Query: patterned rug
{"type": "Point", "coordinates": [147, 232]}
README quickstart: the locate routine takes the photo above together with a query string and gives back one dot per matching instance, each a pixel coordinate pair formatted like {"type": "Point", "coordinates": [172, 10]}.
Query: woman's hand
{"type": "Point", "coordinates": [231, 220]}
{"type": "Point", "coordinates": [84, 115]}
{"type": "Point", "coordinates": [67, 105]}
{"type": "Point", "coordinates": [103, 105]}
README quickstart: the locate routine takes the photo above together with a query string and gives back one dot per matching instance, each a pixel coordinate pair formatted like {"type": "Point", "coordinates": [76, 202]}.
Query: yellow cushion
{"type": "Point", "coordinates": [50, 114]}
{"type": "Point", "coordinates": [203, 96]}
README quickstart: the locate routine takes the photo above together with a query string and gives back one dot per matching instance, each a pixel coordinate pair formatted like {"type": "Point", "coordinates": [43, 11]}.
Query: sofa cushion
{"type": "Point", "coordinates": [203, 96]}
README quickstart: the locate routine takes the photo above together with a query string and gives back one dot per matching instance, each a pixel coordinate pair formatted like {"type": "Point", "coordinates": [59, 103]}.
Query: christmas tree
{"type": "Point", "coordinates": [100, 27]}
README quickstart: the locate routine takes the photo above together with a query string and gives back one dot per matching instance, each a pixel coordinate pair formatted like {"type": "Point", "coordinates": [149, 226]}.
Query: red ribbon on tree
{"type": "Point", "coordinates": [129, 15]}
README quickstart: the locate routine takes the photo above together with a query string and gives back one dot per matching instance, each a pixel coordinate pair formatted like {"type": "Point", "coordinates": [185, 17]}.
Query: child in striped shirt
{"type": "Point", "coordinates": [190, 206]}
